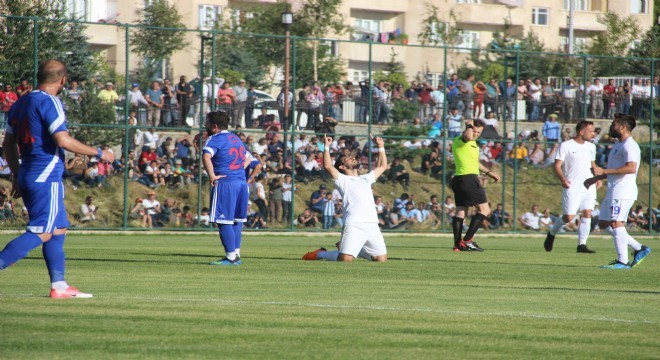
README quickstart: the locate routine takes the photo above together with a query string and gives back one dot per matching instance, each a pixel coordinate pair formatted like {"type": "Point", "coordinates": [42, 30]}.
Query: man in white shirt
{"type": "Point", "coordinates": [361, 236]}
{"type": "Point", "coordinates": [151, 205]}
{"type": "Point", "coordinates": [595, 91]}
{"type": "Point", "coordinates": [531, 220]}
{"type": "Point", "coordinates": [88, 210]}
{"type": "Point", "coordinates": [149, 139]}
{"type": "Point", "coordinates": [621, 174]}
{"type": "Point", "coordinates": [573, 162]}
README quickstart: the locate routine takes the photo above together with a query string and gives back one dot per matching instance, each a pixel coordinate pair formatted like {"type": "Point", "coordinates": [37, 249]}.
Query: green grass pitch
{"type": "Point", "coordinates": [156, 297]}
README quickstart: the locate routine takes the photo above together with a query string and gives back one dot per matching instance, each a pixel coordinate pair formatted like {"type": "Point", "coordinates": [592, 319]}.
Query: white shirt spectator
{"type": "Point", "coordinates": [136, 98]}
{"type": "Point", "coordinates": [532, 220]}
{"type": "Point", "coordinates": [150, 206]}
{"type": "Point", "coordinates": [412, 144]}
{"type": "Point", "coordinates": [150, 139]}
{"type": "Point", "coordinates": [87, 212]}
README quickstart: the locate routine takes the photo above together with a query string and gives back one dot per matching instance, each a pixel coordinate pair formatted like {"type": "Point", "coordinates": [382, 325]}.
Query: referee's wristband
{"type": "Point", "coordinates": [99, 153]}
{"type": "Point", "coordinates": [381, 149]}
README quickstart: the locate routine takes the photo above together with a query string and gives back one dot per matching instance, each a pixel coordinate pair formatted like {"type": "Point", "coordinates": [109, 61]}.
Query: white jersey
{"type": "Point", "coordinates": [623, 186]}
{"type": "Point", "coordinates": [577, 160]}
{"type": "Point", "coordinates": [359, 204]}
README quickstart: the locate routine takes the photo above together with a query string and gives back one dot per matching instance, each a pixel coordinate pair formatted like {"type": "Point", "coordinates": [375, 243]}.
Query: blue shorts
{"type": "Point", "coordinates": [45, 205]}
{"type": "Point", "coordinates": [229, 202]}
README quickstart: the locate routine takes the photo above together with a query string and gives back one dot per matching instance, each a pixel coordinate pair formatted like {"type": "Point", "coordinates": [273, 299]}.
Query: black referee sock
{"type": "Point", "coordinates": [475, 224]}
{"type": "Point", "coordinates": [457, 227]}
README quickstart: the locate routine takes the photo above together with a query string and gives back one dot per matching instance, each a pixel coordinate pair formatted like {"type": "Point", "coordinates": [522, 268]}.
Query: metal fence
{"type": "Point", "coordinates": [516, 94]}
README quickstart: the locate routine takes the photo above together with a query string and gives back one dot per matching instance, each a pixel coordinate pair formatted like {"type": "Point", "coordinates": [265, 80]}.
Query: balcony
{"type": "Point", "coordinates": [378, 6]}
{"type": "Point", "coordinates": [489, 14]}
{"type": "Point", "coordinates": [583, 20]}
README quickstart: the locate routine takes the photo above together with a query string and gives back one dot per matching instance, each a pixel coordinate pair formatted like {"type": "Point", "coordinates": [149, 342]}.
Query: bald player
{"type": "Point", "coordinates": [37, 131]}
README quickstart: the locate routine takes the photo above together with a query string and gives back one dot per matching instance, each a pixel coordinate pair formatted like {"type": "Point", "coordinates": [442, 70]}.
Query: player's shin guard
{"type": "Point", "coordinates": [621, 243]}
{"type": "Point", "coordinates": [238, 236]}
{"type": "Point", "coordinates": [53, 251]}
{"type": "Point", "coordinates": [457, 227]}
{"type": "Point", "coordinates": [475, 224]}
{"type": "Point", "coordinates": [18, 249]}
{"type": "Point", "coordinates": [328, 255]}
{"type": "Point", "coordinates": [227, 237]}
{"type": "Point", "coordinates": [583, 230]}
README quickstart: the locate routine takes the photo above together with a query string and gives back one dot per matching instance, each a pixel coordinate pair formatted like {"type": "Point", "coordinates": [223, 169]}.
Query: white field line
{"type": "Point", "coordinates": [367, 307]}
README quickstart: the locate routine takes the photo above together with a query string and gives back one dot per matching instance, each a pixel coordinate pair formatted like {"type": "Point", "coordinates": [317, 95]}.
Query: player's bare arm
{"type": "Point", "coordinates": [629, 168]}
{"type": "Point", "coordinates": [560, 174]}
{"type": "Point", "coordinates": [10, 149]}
{"type": "Point", "coordinates": [599, 183]}
{"type": "Point", "coordinates": [208, 166]}
{"type": "Point", "coordinates": [382, 164]}
{"type": "Point", "coordinates": [327, 161]}
{"type": "Point", "coordinates": [66, 142]}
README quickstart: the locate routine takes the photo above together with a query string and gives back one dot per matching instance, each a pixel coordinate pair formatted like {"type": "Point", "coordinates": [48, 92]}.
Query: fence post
{"type": "Point", "coordinates": [515, 143]}
{"type": "Point", "coordinates": [35, 49]}
{"type": "Point", "coordinates": [585, 76]}
{"type": "Point", "coordinates": [294, 127]}
{"type": "Point", "coordinates": [369, 86]}
{"type": "Point", "coordinates": [651, 151]}
{"type": "Point", "coordinates": [126, 127]}
{"type": "Point", "coordinates": [213, 49]}
{"type": "Point", "coordinates": [445, 132]}
{"type": "Point", "coordinates": [504, 120]}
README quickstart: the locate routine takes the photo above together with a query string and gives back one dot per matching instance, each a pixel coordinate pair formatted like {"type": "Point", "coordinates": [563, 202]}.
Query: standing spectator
{"type": "Point", "coordinates": [170, 104]}
{"type": "Point", "coordinates": [595, 92]}
{"type": "Point", "coordinates": [479, 95]}
{"type": "Point", "coordinates": [609, 92]}
{"type": "Point", "coordinates": [258, 195]}
{"type": "Point", "coordinates": [467, 95]}
{"type": "Point", "coordinates": [287, 198]}
{"type": "Point", "coordinates": [155, 98]}
{"type": "Point", "coordinates": [491, 97]}
{"type": "Point", "coordinates": [88, 210]}
{"type": "Point", "coordinates": [317, 199]}
{"type": "Point", "coordinates": [108, 95]}
{"type": "Point", "coordinates": [549, 99]}
{"type": "Point", "coordinates": [138, 102]}
{"type": "Point", "coordinates": [454, 123]}
{"type": "Point", "coordinates": [24, 88]}
{"type": "Point", "coordinates": [7, 100]}
{"type": "Point", "coordinates": [569, 98]}
{"type": "Point", "coordinates": [240, 102]}
{"type": "Point", "coordinates": [226, 97]}
{"type": "Point", "coordinates": [437, 100]}
{"type": "Point", "coordinates": [315, 101]}
{"type": "Point", "coordinates": [328, 211]}
{"type": "Point", "coordinates": [275, 201]}
{"type": "Point", "coordinates": [453, 85]}
{"type": "Point", "coordinates": [551, 129]}
{"type": "Point", "coordinates": [249, 105]}
{"type": "Point", "coordinates": [284, 120]}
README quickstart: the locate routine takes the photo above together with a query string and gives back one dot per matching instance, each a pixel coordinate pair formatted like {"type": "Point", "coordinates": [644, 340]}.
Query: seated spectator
{"type": "Point", "coordinates": [317, 200]}
{"type": "Point", "coordinates": [432, 162]}
{"type": "Point", "coordinates": [6, 205]}
{"type": "Point", "coordinates": [275, 144]}
{"type": "Point", "coordinates": [537, 156]}
{"type": "Point", "coordinates": [435, 130]}
{"type": "Point", "coordinates": [258, 195]}
{"type": "Point", "coordinates": [401, 201]}
{"type": "Point", "coordinates": [92, 176]}
{"type": "Point", "coordinates": [152, 207]}
{"type": "Point", "coordinates": [499, 217]}
{"type": "Point", "coordinates": [204, 219]}
{"type": "Point", "coordinates": [152, 176]}
{"type": "Point", "coordinates": [550, 156]}
{"type": "Point", "coordinates": [5, 171]}
{"type": "Point", "coordinates": [327, 126]}
{"type": "Point", "coordinates": [88, 210]}
{"type": "Point", "coordinates": [407, 213]}
{"type": "Point", "coordinates": [637, 219]}
{"type": "Point", "coordinates": [138, 212]}
{"type": "Point", "coordinates": [254, 219]}
{"type": "Point", "coordinates": [167, 214]}
{"type": "Point", "coordinates": [182, 151]}
{"type": "Point", "coordinates": [496, 151]}
{"type": "Point", "coordinates": [339, 213]}
{"type": "Point", "coordinates": [398, 174]}
{"type": "Point", "coordinates": [307, 218]}
{"type": "Point", "coordinates": [531, 220]}
{"type": "Point", "coordinates": [147, 157]}
{"type": "Point", "coordinates": [395, 220]}
{"type": "Point", "coordinates": [75, 169]}
{"type": "Point", "coordinates": [413, 144]}
{"type": "Point", "coordinates": [420, 213]}
{"type": "Point", "coordinates": [547, 219]}
{"type": "Point", "coordinates": [261, 146]}
{"type": "Point", "coordinates": [519, 153]}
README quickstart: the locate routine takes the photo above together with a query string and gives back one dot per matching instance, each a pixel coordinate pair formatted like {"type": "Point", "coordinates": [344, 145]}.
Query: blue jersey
{"type": "Point", "coordinates": [251, 165]}
{"type": "Point", "coordinates": [227, 156]}
{"type": "Point", "coordinates": [33, 120]}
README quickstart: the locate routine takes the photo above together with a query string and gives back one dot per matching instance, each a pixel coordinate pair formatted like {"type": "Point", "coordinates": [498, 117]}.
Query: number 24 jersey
{"type": "Point", "coordinates": [227, 156]}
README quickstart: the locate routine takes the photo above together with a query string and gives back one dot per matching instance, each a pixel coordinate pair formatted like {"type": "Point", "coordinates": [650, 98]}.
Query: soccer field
{"type": "Point", "coordinates": [156, 297]}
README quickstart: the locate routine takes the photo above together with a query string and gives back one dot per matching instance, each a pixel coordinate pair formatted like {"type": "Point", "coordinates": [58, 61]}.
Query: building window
{"type": "Point", "coordinates": [330, 46]}
{"type": "Point", "coordinates": [360, 75]}
{"type": "Point", "coordinates": [208, 15]}
{"type": "Point", "coordinates": [579, 44]}
{"type": "Point", "coordinates": [578, 5]}
{"type": "Point", "coordinates": [469, 40]}
{"type": "Point", "coordinates": [468, 1]}
{"type": "Point", "coordinates": [76, 9]}
{"type": "Point", "coordinates": [375, 26]}
{"type": "Point", "coordinates": [438, 31]}
{"type": "Point", "coordinates": [540, 16]}
{"type": "Point", "coordinates": [639, 6]}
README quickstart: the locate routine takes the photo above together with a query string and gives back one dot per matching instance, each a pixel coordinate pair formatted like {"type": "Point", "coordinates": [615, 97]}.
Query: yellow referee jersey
{"type": "Point", "coordinates": [466, 156]}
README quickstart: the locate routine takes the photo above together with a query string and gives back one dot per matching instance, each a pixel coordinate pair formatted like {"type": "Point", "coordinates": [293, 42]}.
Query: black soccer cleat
{"type": "Point", "coordinates": [549, 241]}
{"type": "Point", "coordinates": [472, 246]}
{"type": "Point", "coordinates": [584, 249]}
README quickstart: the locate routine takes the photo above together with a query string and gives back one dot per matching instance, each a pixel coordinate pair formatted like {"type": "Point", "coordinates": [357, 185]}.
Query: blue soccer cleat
{"type": "Point", "coordinates": [226, 262]}
{"type": "Point", "coordinates": [238, 261]}
{"type": "Point", "coordinates": [640, 255]}
{"type": "Point", "coordinates": [616, 265]}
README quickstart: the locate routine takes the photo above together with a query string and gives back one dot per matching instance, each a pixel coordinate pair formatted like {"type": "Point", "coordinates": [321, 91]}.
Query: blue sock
{"type": "Point", "coordinates": [238, 234]}
{"type": "Point", "coordinates": [227, 237]}
{"type": "Point", "coordinates": [53, 251]}
{"type": "Point", "coordinates": [18, 249]}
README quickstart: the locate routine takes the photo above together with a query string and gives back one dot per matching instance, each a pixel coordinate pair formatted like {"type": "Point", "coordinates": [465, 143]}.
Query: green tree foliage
{"type": "Point", "coordinates": [403, 111]}
{"type": "Point", "coordinates": [80, 59]}
{"type": "Point", "coordinates": [158, 45]}
{"type": "Point", "coordinates": [92, 111]}
{"type": "Point", "coordinates": [436, 30]}
{"type": "Point", "coordinates": [621, 32]}
{"type": "Point", "coordinates": [394, 72]}
{"type": "Point", "coordinates": [649, 47]}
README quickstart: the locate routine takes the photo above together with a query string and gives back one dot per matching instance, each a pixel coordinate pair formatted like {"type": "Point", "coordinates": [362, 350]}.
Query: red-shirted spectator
{"type": "Point", "coordinates": [24, 88]}
{"type": "Point", "coordinates": [147, 157]}
{"type": "Point", "coordinates": [8, 98]}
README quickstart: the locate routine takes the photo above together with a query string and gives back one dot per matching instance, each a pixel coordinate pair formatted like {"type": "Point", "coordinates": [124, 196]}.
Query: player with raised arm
{"type": "Point", "coordinates": [361, 236]}
{"type": "Point", "coordinates": [573, 162]}
{"type": "Point", "coordinates": [621, 174]}
{"type": "Point", "coordinates": [37, 131]}
{"type": "Point", "coordinates": [224, 161]}
{"type": "Point", "coordinates": [467, 188]}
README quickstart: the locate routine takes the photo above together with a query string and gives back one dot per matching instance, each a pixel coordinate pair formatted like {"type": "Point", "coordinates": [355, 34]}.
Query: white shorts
{"type": "Point", "coordinates": [362, 236]}
{"type": "Point", "coordinates": [615, 210]}
{"type": "Point", "coordinates": [573, 202]}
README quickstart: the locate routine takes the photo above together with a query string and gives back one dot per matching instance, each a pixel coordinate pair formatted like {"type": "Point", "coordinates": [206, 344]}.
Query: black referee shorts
{"type": "Point", "coordinates": [468, 191]}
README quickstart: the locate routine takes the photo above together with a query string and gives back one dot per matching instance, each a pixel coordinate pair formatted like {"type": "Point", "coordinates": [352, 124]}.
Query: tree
{"type": "Point", "coordinates": [394, 72]}
{"type": "Point", "coordinates": [649, 47]}
{"type": "Point", "coordinates": [80, 59]}
{"type": "Point", "coordinates": [158, 45]}
{"type": "Point", "coordinates": [437, 31]}
{"type": "Point", "coordinates": [621, 32]}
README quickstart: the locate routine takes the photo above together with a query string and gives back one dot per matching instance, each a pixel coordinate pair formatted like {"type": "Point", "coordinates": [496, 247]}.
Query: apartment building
{"type": "Point", "coordinates": [376, 22]}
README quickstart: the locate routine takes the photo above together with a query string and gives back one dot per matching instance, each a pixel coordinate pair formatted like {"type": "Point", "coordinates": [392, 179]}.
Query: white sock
{"type": "Point", "coordinates": [556, 226]}
{"type": "Point", "coordinates": [59, 285]}
{"type": "Point", "coordinates": [583, 230]}
{"type": "Point", "coordinates": [633, 243]}
{"type": "Point", "coordinates": [328, 255]}
{"type": "Point", "coordinates": [238, 252]}
{"type": "Point", "coordinates": [231, 255]}
{"type": "Point", "coordinates": [621, 243]}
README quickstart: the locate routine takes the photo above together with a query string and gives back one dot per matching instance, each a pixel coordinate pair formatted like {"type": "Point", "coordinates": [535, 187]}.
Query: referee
{"type": "Point", "coordinates": [467, 189]}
